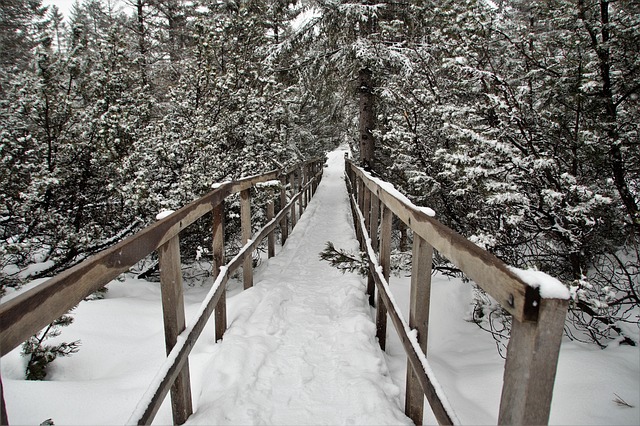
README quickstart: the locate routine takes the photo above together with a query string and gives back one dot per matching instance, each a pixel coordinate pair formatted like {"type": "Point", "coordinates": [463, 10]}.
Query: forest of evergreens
{"type": "Point", "coordinates": [516, 121]}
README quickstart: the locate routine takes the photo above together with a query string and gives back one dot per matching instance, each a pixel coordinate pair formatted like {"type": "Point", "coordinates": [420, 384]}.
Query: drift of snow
{"type": "Point", "coordinates": [163, 214]}
{"type": "Point", "coordinates": [387, 186]}
{"type": "Point", "coordinates": [550, 287]}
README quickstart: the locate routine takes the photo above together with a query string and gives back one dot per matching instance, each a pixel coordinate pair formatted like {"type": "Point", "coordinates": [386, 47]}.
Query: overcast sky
{"type": "Point", "coordinates": [65, 5]}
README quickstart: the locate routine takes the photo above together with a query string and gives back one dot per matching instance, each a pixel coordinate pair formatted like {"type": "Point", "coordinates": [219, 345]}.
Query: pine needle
{"type": "Point", "coordinates": [621, 402]}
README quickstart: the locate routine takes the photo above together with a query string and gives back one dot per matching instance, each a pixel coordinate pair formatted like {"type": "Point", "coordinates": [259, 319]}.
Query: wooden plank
{"type": "Point", "coordinates": [367, 223]}
{"type": "Point", "coordinates": [428, 388]}
{"type": "Point", "coordinates": [305, 177]}
{"type": "Point", "coordinates": [34, 309]}
{"type": "Point", "coordinates": [366, 210]}
{"type": "Point", "coordinates": [421, 264]}
{"type": "Point", "coordinates": [292, 188]}
{"type": "Point", "coordinates": [284, 225]}
{"type": "Point", "coordinates": [271, 238]}
{"type": "Point", "coordinates": [374, 221]}
{"type": "Point", "coordinates": [486, 270]}
{"type": "Point", "coordinates": [261, 235]}
{"type": "Point", "coordinates": [385, 262]}
{"type": "Point", "coordinates": [301, 184]}
{"type": "Point", "coordinates": [4, 418]}
{"type": "Point", "coordinates": [359, 190]}
{"type": "Point", "coordinates": [174, 324]}
{"type": "Point", "coordinates": [373, 234]}
{"type": "Point", "coordinates": [28, 313]}
{"type": "Point", "coordinates": [351, 188]}
{"type": "Point", "coordinates": [220, 315]}
{"type": "Point", "coordinates": [245, 224]}
{"type": "Point", "coordinates": [179, 357]}
{"type": "Point", "coordinates": [530, 368]}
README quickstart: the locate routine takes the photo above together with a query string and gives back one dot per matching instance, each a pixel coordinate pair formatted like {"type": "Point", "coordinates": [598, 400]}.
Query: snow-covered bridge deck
{"type": "Point", "coordinates": [302, 348]}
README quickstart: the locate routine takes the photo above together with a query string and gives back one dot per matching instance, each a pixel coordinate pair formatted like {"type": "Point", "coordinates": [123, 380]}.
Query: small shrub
{"type": "Point", "coordinates": [41, 355]}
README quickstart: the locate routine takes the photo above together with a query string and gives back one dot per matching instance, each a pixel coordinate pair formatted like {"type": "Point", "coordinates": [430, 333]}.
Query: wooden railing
{"type": "Point", "coordinates": [29, 312]}
{"type": "Point", "coordinates": [532, 352]}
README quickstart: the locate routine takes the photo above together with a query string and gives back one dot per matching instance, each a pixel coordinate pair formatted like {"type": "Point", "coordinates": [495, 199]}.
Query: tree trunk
{"type": "Point", "coordinates": [610, 115]}
{"type": "Point", "coordinates": [142, 44]}
{"type": "Point", "coordinates": [367, 118]}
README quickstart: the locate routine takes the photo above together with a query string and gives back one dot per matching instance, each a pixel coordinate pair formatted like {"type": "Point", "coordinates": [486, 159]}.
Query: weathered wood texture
{"type": "Point", "coordinates": [182, 353]}
{"type": "Point", "coordinates": [220, 315]}
{"type": "Point", "coordinates": [4, 418]}
{"type": "Point", "coordinates": [536, 334]}
{"type": "Point", "coordinates": [174, 323]}
{"type": "Point", "coordinates": [420, 299]}
{"type": "Point", "coordinates": [374, 220]}
{"type": "Point", "coordinates": [284, 225]}
{"type": "Point", "coordinates": [386, 223]}
{"type": "Point", "coordinates": [428, 389]}
{"type": "Point", "coordinates": [271, 238]}
{"type": "Point", "coordinates": [34, 309]}
{"type": "Point", "coordinates": [292, 186]}
{"type": "Point", "coordinates": [530, 368]}
{"type": "Point", "coordinates": [245, 224]}
{"type": "Point", "coordinates": [486, 270]}
{"type": "Point", "coordinates": [301, 205]}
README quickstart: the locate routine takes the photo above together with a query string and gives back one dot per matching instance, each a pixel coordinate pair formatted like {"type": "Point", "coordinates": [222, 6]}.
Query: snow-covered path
{"type": "Point", "coordinates": [301, 348]}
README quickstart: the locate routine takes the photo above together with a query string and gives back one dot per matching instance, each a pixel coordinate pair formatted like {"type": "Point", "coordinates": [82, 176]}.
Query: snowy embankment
{"type": "Point", "coordinates": [300, 349]}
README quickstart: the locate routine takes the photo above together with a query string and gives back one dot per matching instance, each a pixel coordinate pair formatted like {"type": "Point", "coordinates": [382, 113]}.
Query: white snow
{"type": "Point", "coordinates": [219, 184]}
{"type": "Point", "coordinates": [301, 346]}
{"type": "Point", "coordinates": [300, 350]}
{"type": "Point", "coordinates": [163, 214]}
{"type": "Point", "coordinates": [387, 186]}
{"type": "Point", "coordinates": [269, 183]}
{"type": "Point", "coordinates": [550, 287]}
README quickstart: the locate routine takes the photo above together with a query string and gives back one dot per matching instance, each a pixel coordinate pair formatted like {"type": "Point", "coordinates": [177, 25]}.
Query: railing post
{"type": "Point", "coordinates": [359, 196]}
{"type": "Point", "coordinates": [218, 261]}
{"type": "Point", "coordinates": [373, 234]}
{"type": "Point", "coordinates": [314, 174]}
{"type": "Point", "coordinates": [284, 225]}
{"type": "Point", "coordinates": [292, 186]}
{"type": "Point", "coordinates": [305, 179]}
{"type": "Point", "coordinates": [174, 323]}
{"type": "Point", "coordinates": [300, 185]}
{"type": "Point", "coordinates": [309, 177]}
{"type": "Point", "coordinates": [421, 263]}
{"type": "Point", "coordinates": [245, 223]}
{"type": "Point", "coordinates": [530, 368]}
{"type": "Point", "coordinates": [4, 419]}
{"type": "Point", "coordinates": [271, 238]}
{"type": "Point", "coordinates": [385, 262]}
{"type": "Point", "coordinates": [366, 209]}
{"type": "Point", "coordinates": [357, 193]}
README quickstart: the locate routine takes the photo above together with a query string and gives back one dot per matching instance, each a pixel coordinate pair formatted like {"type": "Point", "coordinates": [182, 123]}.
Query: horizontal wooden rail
{"type": "Point", "coordinates": [34, 309]}
{"type": "Point", "coordinates": [491, 274]}
{"type": "Point", "coordinates": [441, 408]}
{"type": "Point", "coordinates": [537, 327]}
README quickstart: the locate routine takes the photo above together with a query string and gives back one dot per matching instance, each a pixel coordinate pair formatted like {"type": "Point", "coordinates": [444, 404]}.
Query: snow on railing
{"type": "Point", "coordinates": [537, 302]}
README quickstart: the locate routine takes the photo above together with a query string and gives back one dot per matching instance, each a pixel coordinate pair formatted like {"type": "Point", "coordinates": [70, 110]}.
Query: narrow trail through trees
{"type": "Point", "coordinates": [301, 347]}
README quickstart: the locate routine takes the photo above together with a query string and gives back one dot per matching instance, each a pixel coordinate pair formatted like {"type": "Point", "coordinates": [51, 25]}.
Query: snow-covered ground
{"type": "Point", "coordinates": [300, 349]}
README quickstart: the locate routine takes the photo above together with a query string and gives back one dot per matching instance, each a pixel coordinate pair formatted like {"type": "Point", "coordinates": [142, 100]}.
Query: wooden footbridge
{"type": "Point", "coordinates": [537, 321]}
